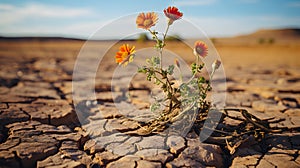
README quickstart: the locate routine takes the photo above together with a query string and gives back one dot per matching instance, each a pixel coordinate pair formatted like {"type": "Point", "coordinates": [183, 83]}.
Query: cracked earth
{"type": "Point", "coordinates": [39, 126]}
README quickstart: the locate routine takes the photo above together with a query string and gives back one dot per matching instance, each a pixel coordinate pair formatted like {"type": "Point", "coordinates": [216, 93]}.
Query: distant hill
{"type": "Point", "coordinates": [264, 36]}
{"type": "Point", "coordinates": [46, 39]}
{"type": "Point", "coordinates": [37, 39]}
{"type": "Point", "coordinates": [274, 33]}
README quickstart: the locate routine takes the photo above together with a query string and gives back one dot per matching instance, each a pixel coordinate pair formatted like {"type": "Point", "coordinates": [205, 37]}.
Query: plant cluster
{"type": "Point", "coordinates": [191, 93]}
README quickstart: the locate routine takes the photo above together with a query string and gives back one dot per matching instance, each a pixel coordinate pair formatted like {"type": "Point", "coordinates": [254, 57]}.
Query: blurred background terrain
{"type": "Point", "coordinates": [258, 43]}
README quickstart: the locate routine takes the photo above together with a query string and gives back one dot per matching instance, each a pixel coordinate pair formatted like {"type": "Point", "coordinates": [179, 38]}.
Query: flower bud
{"type": "Point", "coordinates": [177, 63]}
{"type": "Point", "coordinates": [216, 64]}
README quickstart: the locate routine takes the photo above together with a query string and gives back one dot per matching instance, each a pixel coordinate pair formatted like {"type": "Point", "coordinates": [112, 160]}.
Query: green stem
{"type": "Point", "coordinates": [212, 74]}
{"type": "Point", "coordinates": [165, 35]}
{"type": "Point", "coordinates": [180, 74]}
{"type": "Point", "coordinates": [160, 55]}
{"type": "Point", "coordinates": [158, 79]}
{"type": "Point", "coordinates": [171, 94]}
{"type": "Point", "coordinates": [160, 47]}
{"type": "Point", "coordinates": [163, 44]}
{"type": "Point", "coordinates": [197, 60]}
{"type": "Point", "coordinates": [155, 36]}
{"type": "Point", "coordinates": [169, 88]}
{"type": "Point", "coordinates": [205, 92]}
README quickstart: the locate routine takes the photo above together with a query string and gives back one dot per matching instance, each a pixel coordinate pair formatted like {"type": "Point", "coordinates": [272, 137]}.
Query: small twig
{"type": "Point", "coordinates": [248, 117]}
{"type": "Point", "coordinates": [232, 149]}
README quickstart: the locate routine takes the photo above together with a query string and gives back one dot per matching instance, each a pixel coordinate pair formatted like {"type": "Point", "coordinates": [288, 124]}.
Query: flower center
{"type": "Point", "coordinates": [125, 54]}
{"type": "Point", "coordinates": [147, 22]}
{"type": "Point", "coordinates": [199, 50]}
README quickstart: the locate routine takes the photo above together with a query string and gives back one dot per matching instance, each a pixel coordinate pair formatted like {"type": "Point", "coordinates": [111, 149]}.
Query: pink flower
{"type": "Point", "coordinates": [200, 49]}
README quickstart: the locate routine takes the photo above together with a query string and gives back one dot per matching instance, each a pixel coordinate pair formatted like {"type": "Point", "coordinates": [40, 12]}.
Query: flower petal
{"type": "Point", "coordinates": [146, 21]}
{"type": "Point", "coordinates": [125, 54]}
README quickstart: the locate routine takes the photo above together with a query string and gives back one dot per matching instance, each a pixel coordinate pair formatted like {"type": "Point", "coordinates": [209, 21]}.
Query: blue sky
{"type": "Point", "coordinates": [82, 18]}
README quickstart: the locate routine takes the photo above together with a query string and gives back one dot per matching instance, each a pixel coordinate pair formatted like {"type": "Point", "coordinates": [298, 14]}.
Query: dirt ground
{"type": "Point", "coordinates": [39, 127]}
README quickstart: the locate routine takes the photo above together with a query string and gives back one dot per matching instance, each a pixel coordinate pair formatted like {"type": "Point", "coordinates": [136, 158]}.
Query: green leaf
{"type": "Point", "coordinates": [164, 87]}
{"type": "Point", "coordinates": [149, 77]}
{"type": "Point", "coordinates": [170, 69]}
{"type": "Point", "coordinates": [200, 67]}
{"type": "Point", "coordinates": [148, 61]}
{"type": "Point", "coordinates": [142, 70]}
{"type": "Point", "coordinates": [155, 61]}
{"type": "Point", "coordinates": [194, 68]}
{"type": "Point", "coordinates": [201, 80]}
{"type": "Point", "coordinates": [164, 74]}
{"type": "Point", "coordinates": [157, 82]}
{"type": "Point", "coordinates": [155, 106]}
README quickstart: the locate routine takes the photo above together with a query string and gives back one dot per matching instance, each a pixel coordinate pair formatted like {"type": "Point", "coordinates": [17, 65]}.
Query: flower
{"type": "Point", "coordinates": [200, 49]}
{"type": "Point", "coordinates": [145, 21]}
{"type": "Point", "coordinates": [216, 64]}
{"type": "Point", "coordinates": [125, 54]}
{"type": "Point", "coordinates": [173, 14]}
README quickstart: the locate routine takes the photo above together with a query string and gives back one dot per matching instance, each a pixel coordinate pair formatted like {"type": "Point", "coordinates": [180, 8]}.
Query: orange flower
{"type": "Point", "coordinates": [145, 21]}
{"type": "Point", "coordinates": [200, 49]}
{"type": "Point", "coordinates": [125, 54]}
{"type": "Point", "coordinates": [173, 14]}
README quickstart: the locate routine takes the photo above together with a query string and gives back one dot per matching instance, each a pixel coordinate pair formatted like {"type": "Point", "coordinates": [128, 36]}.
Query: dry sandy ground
{"type": "Point", "coordinates": [36, 100]}
{"type": "Point", "coordinates": [232, 52]}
